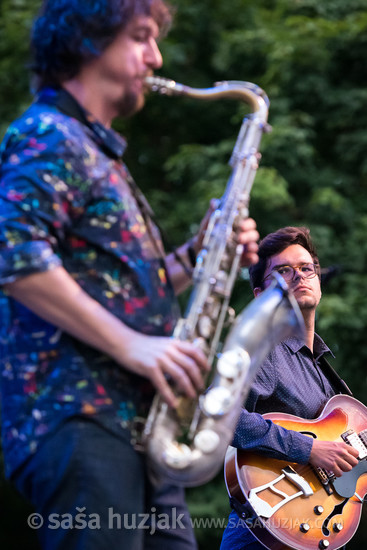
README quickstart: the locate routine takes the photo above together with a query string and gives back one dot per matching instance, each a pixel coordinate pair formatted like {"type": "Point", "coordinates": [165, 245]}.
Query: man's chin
{"type": "Point", "coordinates": [306, 304]}
{"type": "Point", "coordinates": [132, 105]}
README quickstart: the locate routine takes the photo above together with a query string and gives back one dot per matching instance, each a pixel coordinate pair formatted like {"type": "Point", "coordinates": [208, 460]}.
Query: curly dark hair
{"type": "Point", "coordinates": [68, 33]}
{"type": "Point", "coordinates": [276, 242]}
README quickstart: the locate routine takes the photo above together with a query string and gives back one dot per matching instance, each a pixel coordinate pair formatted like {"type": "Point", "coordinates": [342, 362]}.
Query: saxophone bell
{"type": "Point", "coordinates": [193, 455]}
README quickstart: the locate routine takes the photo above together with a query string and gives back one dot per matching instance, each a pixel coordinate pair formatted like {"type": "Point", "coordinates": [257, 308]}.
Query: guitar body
{"type": "Point", "coordinates": [298, 511]}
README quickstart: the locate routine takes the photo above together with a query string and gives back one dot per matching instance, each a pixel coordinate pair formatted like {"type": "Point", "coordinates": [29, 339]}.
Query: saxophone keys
{"type": "Point", "coordinates": [206, 441]}
{"type": "Point", "coordinates": [217, 401]}
{"type": "Point", "coordinates": [205, 327]}
{"type": "Point", "coordinates": [256, 160]}
{"type": "Point", "coordinates": [177, 455]}
{"type": "Point", "coordinates": [231, 316]}
{"type": "Point", "coordinates": [220, 284]}
{"type": "Point", "coordinates": [231, 363]}
{"type": "Point", "coordinates": [231, 366]}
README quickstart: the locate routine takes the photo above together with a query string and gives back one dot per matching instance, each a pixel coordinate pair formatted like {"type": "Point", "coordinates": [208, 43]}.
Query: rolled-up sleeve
{"type": "Point", "coordinates": [32, 211]}
{"type": "Point", "coordinates": [25, 259]}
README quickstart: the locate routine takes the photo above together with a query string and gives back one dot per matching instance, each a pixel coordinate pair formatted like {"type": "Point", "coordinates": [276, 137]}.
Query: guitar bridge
{"type": "Point", "coordinates": [324, 477]}
{"type": "Point", "coordinates": [263, 508]}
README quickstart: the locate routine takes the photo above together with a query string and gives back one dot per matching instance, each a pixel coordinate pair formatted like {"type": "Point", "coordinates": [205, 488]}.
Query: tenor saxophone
{"type": "Point", "coordinates": [187, 445]}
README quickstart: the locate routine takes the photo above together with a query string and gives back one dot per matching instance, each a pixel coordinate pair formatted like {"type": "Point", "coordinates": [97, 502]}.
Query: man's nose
{"type": "Point", "coordinates": [297, 273]}
{"type": "Point", "coordinates": [153, 56]}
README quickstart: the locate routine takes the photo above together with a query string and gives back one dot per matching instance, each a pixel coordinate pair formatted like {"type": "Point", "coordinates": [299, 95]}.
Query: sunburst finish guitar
{"type": "Point", "coordinates": [290, 506]}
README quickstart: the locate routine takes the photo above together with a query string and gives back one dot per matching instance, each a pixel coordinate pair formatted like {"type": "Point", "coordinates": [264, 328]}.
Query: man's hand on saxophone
{"type": "Point", "coordinates": [163, 359]}
{"type": "Point", "coordinates": [248, 236]}
{"type": "Point", "coordinates": [181, 263]}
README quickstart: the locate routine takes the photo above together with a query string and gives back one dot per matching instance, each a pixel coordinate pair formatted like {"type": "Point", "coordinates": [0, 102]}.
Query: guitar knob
{"type": "Point", "coordinates": [324, 544]}
{"type": "Point", "coordinates": [318, 510]}
{"type": "Point", "coordinates": [337, 527]}
{"type": "Point", "coordinates": [304, 527]}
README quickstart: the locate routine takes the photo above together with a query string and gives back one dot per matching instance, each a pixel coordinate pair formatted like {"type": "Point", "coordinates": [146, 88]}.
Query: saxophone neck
{"type": "Point", "coordinates": [247, 92]}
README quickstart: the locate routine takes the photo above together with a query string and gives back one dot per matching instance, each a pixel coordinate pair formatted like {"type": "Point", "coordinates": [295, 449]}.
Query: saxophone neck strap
{"type": "Point", "coordinates": [112, 143]}
{"type": "Point", "coordinates": [114, 146]}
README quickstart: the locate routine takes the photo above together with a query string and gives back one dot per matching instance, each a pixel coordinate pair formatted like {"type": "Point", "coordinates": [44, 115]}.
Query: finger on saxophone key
{"type": "Point", "coordinates": [248, 236]}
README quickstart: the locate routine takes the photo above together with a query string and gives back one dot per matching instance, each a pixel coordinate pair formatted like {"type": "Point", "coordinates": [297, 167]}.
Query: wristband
{"type": "Point", "coordinates": [191, 254]}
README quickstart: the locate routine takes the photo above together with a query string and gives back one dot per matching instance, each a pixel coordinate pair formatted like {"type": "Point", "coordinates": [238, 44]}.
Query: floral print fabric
{"type": "Point", "coordinates": [65, 202]}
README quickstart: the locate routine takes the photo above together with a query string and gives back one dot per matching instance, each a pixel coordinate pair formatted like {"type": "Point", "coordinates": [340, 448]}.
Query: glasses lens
{"type": "Point", "coordinates": [307, 270]}
{"type": "Point", "coordinates": [286, 271]}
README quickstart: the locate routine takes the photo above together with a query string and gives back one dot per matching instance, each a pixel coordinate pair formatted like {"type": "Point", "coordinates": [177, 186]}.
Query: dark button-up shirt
{"type": "Point", "coordinates": [64, 201]}
{"type": "Point", "coordinates": [290, 381]}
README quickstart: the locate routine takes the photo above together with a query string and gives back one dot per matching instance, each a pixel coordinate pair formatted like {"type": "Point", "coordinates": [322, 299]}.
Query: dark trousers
{"type": "Point", "coordinates": [91, 493]}
{"type": "Point", "coordinates": [237, 536]}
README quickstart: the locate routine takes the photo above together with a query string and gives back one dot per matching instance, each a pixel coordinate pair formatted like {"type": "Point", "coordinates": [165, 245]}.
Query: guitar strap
{"type": "Point", "coordinates": [337, 382]}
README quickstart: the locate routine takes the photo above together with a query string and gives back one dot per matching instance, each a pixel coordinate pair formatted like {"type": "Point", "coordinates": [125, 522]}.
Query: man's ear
{"type": "Point", "coordinates": [257, 291]}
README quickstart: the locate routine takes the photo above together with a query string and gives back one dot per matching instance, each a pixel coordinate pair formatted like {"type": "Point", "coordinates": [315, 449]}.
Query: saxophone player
{"type": "Point", "coordinates": [88, 294]}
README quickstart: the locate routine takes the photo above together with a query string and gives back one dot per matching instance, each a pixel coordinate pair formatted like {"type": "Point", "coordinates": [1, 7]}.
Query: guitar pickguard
{"type": "Point", "coordinates": [346, 484]}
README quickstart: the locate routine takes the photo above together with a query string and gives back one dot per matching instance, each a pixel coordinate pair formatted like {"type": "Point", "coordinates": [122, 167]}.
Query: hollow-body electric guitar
{"type": "Point", "coordinates": [291, 506]}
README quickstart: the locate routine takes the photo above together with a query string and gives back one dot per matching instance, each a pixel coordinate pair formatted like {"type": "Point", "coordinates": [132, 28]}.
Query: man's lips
{"type": "Point", "coordinates": [301, 288]}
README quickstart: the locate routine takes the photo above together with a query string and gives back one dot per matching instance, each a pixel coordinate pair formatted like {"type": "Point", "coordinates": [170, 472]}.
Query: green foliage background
{"type": "Point", "coordinates": [310, 57]}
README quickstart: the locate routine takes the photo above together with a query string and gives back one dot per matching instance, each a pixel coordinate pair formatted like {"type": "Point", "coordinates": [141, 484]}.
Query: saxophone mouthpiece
{"type": "Point", "coordinates": [164, 86]}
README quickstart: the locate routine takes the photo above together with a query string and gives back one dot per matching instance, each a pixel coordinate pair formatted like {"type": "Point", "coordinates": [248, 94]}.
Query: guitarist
{"type": "Point", "coordinates": [295, 378]}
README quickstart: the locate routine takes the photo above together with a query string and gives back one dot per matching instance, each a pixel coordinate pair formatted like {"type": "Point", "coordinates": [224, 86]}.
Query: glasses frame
{"type": "Point", "coordinates": [294, 268]}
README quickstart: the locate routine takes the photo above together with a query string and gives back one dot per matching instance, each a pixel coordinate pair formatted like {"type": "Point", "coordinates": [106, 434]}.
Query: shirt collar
{"type": "Point", "coordinates": [110, 141]}
{"type": "Point", "coordinates": [319, 346]}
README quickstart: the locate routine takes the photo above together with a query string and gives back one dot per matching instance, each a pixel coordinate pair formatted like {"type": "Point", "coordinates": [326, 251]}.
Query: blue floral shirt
{"type": "Point", "coordinates": [66, 200]}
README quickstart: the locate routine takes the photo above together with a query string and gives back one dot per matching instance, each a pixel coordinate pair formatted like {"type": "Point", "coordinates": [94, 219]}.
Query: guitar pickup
{"type": "Point", "coordinates": [356, 441]}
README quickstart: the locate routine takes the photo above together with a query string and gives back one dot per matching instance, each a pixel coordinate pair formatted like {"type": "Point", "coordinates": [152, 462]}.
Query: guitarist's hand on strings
{"type": "Point", "coordinates": [335, 456]}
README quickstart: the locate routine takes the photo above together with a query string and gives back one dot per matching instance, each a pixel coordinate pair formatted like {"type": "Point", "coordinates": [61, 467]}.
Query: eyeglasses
{"type": "Point", "coordinates": [288, 272]}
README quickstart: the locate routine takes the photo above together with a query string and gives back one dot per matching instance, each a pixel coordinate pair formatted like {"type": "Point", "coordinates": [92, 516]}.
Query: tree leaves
{"type": "Point", "coordinates": [310, 58]}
